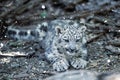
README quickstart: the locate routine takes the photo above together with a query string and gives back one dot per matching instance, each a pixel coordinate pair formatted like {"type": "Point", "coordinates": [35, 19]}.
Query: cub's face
{"type": "Point", "coordinates": [71, 38]}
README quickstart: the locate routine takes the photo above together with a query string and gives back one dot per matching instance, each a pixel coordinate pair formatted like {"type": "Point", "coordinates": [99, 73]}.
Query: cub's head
{"type": "Point", "coordinates": [71, 37]}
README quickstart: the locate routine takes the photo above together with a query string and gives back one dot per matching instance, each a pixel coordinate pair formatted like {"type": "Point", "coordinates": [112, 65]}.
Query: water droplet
{"type": "Point", "coordinates": [108, 60]}
{"type": "Point", "coordinates": [1, 44]}
{"type": "Point", "coordinates": [105, 21]}
{"type": "Point", "coordinates": [44, 71]}
{"type": "Point", "coordinates": [43, 6]}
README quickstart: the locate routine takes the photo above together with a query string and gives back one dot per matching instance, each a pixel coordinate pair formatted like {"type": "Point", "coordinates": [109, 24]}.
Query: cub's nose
{"type": "Point", "coordinates": [71, 50]}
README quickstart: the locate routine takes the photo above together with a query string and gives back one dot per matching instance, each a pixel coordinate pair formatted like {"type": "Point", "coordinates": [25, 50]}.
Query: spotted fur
{"type": "Point", "coordinates": [64, 42]}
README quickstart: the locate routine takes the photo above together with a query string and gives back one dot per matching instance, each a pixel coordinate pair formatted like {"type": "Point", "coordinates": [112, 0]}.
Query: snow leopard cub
{"type": "Point", "coordinates": [64, 42]}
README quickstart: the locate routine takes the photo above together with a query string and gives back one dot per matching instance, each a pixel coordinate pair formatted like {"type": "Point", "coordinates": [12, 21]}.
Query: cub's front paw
{"type": "Point", "coordinates": [78, 63]}
{"type": "Point", "coordinates": [61, 65]}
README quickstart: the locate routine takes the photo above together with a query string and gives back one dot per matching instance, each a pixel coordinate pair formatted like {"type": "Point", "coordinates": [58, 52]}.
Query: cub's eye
{"type": "Point", "coordinates": [78, 40]}
{"type": "Point", "coordinates": [66, 40]}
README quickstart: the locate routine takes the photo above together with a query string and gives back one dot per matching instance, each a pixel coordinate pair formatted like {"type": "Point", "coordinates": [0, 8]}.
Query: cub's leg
{"type": "Point", "coordinates": [58, 60]}
{"type": "Point", "coordinates": [80, 62]}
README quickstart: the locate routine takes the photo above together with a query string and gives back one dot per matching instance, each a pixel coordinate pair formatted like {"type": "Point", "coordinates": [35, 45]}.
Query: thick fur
{"type": "Point", "coordinates": [63, 40]}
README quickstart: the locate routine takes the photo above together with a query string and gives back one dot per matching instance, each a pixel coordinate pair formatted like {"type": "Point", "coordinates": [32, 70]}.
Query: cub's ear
{"type": "Point", "coordinates": [82, 28]}
{"type": "Point", "coordinates": [58, 30]}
